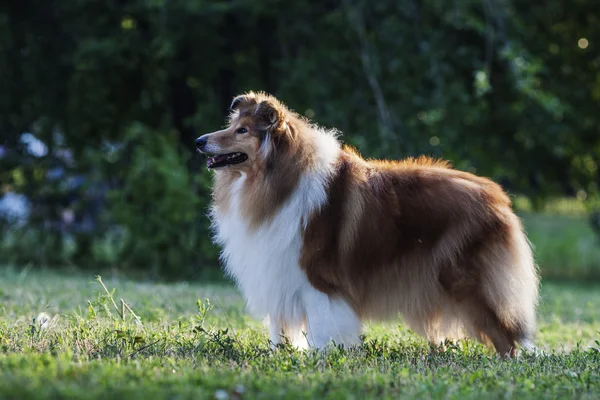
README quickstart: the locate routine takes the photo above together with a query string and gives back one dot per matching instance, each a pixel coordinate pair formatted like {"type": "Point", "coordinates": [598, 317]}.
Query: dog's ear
{"type": "Point", "coordinates": [268, 114]}
{"type": "Point", "coordinates": [237, 101]}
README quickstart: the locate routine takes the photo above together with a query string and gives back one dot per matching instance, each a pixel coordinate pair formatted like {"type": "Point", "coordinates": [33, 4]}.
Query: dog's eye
{"type": "Point", "coordinates": [242, 130]}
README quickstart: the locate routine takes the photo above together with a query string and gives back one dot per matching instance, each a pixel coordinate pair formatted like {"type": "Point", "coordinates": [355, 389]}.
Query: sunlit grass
{"type": "Point", "coordinates": [191, 349]}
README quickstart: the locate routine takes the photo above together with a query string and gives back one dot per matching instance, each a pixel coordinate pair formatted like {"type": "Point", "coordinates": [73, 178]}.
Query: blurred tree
{"type": "Point", "coordinates": [507, 89]}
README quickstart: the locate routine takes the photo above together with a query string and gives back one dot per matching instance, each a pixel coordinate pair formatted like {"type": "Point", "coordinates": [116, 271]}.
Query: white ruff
{"type": "Point", "coordinates": [265, 261]}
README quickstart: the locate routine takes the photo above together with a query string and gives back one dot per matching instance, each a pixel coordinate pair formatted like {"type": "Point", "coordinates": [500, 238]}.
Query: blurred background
{"type": "Point", "coordinates": [101, 100]}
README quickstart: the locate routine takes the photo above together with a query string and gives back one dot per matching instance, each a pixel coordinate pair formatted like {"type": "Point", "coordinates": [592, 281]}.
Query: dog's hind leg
{"type": "Point", "coordinates": [509, 287]}
{"type": "Point", "coordinates": [495, 284]}
{"type": "Point", "coordinates": [485, 326]}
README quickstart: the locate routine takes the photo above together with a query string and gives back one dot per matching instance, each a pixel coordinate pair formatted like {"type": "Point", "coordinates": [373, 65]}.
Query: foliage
{"type": "Point", "coordinates": [162, 217]}
{"type": "Point", "coordinates": [85, 347]}
{"type": "Point", "coordinates": [505, 89]}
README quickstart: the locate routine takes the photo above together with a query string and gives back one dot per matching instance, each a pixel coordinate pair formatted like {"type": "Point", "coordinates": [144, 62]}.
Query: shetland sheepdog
{"type": "Point", "coordinates": [318, 239]}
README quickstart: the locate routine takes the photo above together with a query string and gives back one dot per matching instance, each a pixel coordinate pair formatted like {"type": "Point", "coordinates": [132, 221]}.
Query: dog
{"type": "Point", "coordinates": [319, 239]}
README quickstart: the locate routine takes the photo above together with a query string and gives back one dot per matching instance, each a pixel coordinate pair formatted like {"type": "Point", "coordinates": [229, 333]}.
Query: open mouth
{"type": "Point", "coordinates": [221, 160]}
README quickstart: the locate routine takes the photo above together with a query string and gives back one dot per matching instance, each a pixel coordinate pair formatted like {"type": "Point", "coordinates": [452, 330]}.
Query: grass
{"type": "Point", "coordinates": [565, 245]}
{"type": "Point", "coordinates": [564, 242]}
{"type": "Point", "coordinates": [89, 347]}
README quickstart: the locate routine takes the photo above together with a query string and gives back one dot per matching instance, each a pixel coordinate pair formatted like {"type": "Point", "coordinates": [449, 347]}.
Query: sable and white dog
{"type": "Point", "coordinates": [319, 239]}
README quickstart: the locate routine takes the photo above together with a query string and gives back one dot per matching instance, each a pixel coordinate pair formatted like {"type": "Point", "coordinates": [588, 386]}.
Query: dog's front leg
{"type": "Point", "coordinates": [276, 332]}
{"type": "Point", "coordinates": [330, 319]}
{"type": "Point", "coordinates": [281, 331]}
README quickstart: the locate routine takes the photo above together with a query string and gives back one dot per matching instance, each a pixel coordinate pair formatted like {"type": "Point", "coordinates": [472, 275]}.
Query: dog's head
{"type": "Point", "coordinates": [257, 125]}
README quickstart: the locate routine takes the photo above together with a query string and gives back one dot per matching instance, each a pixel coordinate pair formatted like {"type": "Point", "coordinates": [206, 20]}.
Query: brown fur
{"type": "Point", "coordinates": [416, 237]}
{"type": "Point", "coordinates": [419, 238]}
{"type": "Point", "coordinates": [270, 179]}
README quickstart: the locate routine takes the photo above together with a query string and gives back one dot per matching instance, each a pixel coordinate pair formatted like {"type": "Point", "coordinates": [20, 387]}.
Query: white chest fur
{"type": "Point", "coordinates": [264, 261]}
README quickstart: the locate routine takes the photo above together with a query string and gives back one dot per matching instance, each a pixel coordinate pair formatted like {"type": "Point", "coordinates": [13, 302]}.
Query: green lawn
{"type": "Point", "coordinates": [565, 246]}
{"type": "Point", "coordinates": [181, 350]}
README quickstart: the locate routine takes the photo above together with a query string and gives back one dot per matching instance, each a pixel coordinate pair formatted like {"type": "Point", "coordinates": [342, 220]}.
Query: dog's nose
{"type": "Point", "coordinates": [201, 142]}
